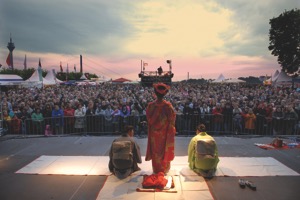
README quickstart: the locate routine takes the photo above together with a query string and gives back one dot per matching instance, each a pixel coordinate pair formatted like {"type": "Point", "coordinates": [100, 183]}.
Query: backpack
{"type": "Point", "coordinates": [205, 148]}
{"type": "Point", "coordinates": [122, 157]}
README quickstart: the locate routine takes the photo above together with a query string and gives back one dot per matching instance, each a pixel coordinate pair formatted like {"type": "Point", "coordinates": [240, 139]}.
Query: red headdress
{"type": "Point", "coordinates": [161, 88]}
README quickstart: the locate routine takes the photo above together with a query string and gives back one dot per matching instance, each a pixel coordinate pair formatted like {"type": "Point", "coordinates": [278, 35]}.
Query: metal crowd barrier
{"type": "Point", "coordinates": [185, 125]}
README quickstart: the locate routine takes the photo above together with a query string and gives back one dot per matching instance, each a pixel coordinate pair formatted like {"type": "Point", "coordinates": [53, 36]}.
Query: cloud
{"type": "Point", "coordinates": [249, 33]}
{"type": "Point", "coordinates": [181, 28]}
{"type": "Point", "coordinates": [64, 27]}
{"type": "Point", "coordinates": [199, 35]}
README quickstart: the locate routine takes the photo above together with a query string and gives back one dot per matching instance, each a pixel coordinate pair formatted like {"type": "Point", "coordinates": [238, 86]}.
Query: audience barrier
{"type": "Point", "coordinates": [185, 125]}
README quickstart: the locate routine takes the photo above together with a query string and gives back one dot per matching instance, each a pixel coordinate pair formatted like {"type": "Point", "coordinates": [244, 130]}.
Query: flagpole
{"type": "Point", "coordinates": [67, 72]}
{"type": "Point", "coordinates": [25, 63]}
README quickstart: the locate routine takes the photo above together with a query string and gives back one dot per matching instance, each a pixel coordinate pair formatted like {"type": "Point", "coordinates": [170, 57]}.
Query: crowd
{"type": "Point", "coordinates": [223, 108]}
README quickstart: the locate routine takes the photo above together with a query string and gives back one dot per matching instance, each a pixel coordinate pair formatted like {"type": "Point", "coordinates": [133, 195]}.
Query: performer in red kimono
{"type": "Point", "coordinates": [161, 130]}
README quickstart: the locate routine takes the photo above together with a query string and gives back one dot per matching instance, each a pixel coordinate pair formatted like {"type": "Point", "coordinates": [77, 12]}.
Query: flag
{"type": "Point", "coordinates": [67, 72]}
{"type": "Point", "coordinates": [25, 62]}
{"type": "Point", "coordinates": [40, 65]}
{"type": "Point", "coordinates": [74, 67]}
{"type": "Point", "coordinates": [8, 61]}
{"type": "Point", "coordinates": [40, 72]}
{"type": "Point", "coordinates": [61, 69]}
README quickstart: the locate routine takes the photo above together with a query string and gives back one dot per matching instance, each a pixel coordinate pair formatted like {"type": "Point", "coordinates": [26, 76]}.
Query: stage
{"type": "Point", "coordinates": [75, 167]}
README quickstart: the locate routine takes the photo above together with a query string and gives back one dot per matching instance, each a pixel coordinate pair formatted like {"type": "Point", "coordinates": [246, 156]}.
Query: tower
{"type": "Point", "coordinates": [80, 63]}
{"type": "Point", "coordinates": [11, 47]}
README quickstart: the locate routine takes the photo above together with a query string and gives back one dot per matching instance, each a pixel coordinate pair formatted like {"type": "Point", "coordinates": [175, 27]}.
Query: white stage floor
{"type": "Point", "coordinates": [98, 165]}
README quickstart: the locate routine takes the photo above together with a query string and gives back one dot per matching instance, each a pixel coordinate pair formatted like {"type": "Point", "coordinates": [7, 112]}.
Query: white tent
{"type": "Point", "coordinates": [275, 75]}
{"type": "Point", "coordinates": [100, 79]}
{"type": "Point", "coordinates": [37, 80]}
{"type": "Point", "coordinates": [35, 77]}
{"type": "Point", "coordinates": [51, 79]}
{"type": "Point", "coordinates": [272, 79]}
{"type": "Point", "coordinates": [10, 79]}
{"type": "Point", "coordinates": [83, 77]}
{"type": "Point", "coordinates": [220, 79]}
{"type": "Point", "coordinates": [282, 78]}
{"type": "Point", "coordinates": [234, 80]}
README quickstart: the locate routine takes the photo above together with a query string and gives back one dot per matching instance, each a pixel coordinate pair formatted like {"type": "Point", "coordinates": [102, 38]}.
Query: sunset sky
{"type": "Point", "coordinates": [203, 38]}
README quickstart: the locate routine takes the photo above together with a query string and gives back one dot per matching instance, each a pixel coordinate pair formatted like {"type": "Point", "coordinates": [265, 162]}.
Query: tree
{"type": "Point", "coordinates": [284, 37]}
{"type": "Point", "coordinates": [23, 73]}
{"type": "Point", "coordinates": [26, 74]}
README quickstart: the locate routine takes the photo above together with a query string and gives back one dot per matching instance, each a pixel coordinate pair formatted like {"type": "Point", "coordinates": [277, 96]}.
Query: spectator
{"type": "Point", "coordinates": [90, 117]}
{"type": "Point", "coordinates": [187, 115]}
{"type": "Point", "coordinates": [277, 121]}
{"type": "Point", "coordinates": [15, 124]}
{"type": "Point", "coordinates": [108, 118]}
{"type": "Point", "coordinates": [218, 118]}
{"type": "Point", "coordinates": [115, 118]}
{"type": "Point", "coordinates": [47, 113]}
{"type": "Point", "coordinates": [228, 114]}
{"type": "Point", "coordinates": [237, 119]}
{"type": "Point", "coordinates": [243, 95]}
{"type": "Point", "coordinates": [205, 111]}
{"type": "Point", "coordinates": [290, 120]}
{"type": "Point", "coordinates": [6, 121]}
{"type": "Point", "coordinates": [69, 118]}
{"type": "Point", "coordinates": [268, 120]}
{"type": "Point", "coordinates": [38, 121]}
{"type": "Point", "coordinates": [261, 117]}
{"type": "Point", "coordinates": [250, 119]}
{"type": "Point", "coordinates": [124, 114]}
{"type": "Point", "coordinates": [25, 120]}
{"type": "Point", "coordinates": [79, 118]}
{"type": "Point", "coordinates": [58, 119]}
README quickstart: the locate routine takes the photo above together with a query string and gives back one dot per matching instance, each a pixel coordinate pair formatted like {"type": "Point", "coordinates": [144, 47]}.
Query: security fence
{"type": "Point", "coordinates": [185, 125]}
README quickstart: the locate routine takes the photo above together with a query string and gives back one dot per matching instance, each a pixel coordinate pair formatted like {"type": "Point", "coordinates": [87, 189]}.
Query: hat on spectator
{"type": "Point", "coordinates": [161, 88]}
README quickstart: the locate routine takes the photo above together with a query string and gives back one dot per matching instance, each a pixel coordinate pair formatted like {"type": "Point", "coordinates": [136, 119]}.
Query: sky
{"type": "Point", "coordinates": [203, 38]}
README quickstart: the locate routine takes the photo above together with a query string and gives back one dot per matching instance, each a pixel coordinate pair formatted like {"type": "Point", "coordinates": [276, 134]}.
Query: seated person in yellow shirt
{"type": "Point", "coordinates": [203, 153]}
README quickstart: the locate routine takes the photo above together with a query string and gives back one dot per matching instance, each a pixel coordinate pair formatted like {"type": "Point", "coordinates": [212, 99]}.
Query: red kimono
{"type": "Point", "coordinates": [161, 134]}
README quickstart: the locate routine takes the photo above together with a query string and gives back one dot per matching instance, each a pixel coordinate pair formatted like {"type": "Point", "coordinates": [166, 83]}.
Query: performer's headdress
{"type": "Point", "coordinates": [161, 88]}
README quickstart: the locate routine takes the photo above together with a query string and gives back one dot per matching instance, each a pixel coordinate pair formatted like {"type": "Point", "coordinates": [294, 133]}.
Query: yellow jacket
{"type": "Point", "coordinates": [205, 163]}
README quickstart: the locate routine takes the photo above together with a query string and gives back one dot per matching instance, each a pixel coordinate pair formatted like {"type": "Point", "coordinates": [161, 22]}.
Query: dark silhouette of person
{"type": "Point", "coordinates": [160, 70]}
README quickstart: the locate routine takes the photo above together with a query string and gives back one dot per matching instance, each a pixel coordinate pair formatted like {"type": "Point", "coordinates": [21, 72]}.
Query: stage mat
{"type": "Point", "coordinates": [98, 165]}
{"type": "Point", "coordinates": [186, 187]}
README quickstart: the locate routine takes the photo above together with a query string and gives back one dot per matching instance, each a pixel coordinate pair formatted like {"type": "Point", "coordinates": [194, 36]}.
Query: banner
{"type": "Point", "coordinates": [8, 61]}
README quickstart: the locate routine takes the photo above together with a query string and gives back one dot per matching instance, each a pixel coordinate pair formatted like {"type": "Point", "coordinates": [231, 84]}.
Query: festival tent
{"type": "Point", "coordinates": [220, 79]}
{"type": "Point", "coordinates": [37, 80]}
{"type": "Point", "coordinates": [35, 77]}
{"type": "Point", "coordinates": [282, 78]}
{"type": "Point", "coordinates": [10, 79]}
{"type": "Point", "coordinates": [100, 79]}
{"type": "Point", "coordinates": [51, 79]}
{"type": "Point", "coordinates": [121, 80]}
{"type": "Point", "coordinates": [273, 78]}
{"type": "Point", "coordinates": [87, 83]}
{"type": "Point", "coordinates": [275, 75]}
{"type": "Point", "coordinates": [83, 77]}
{"type": "Point", "coordinates": [234, 80]}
